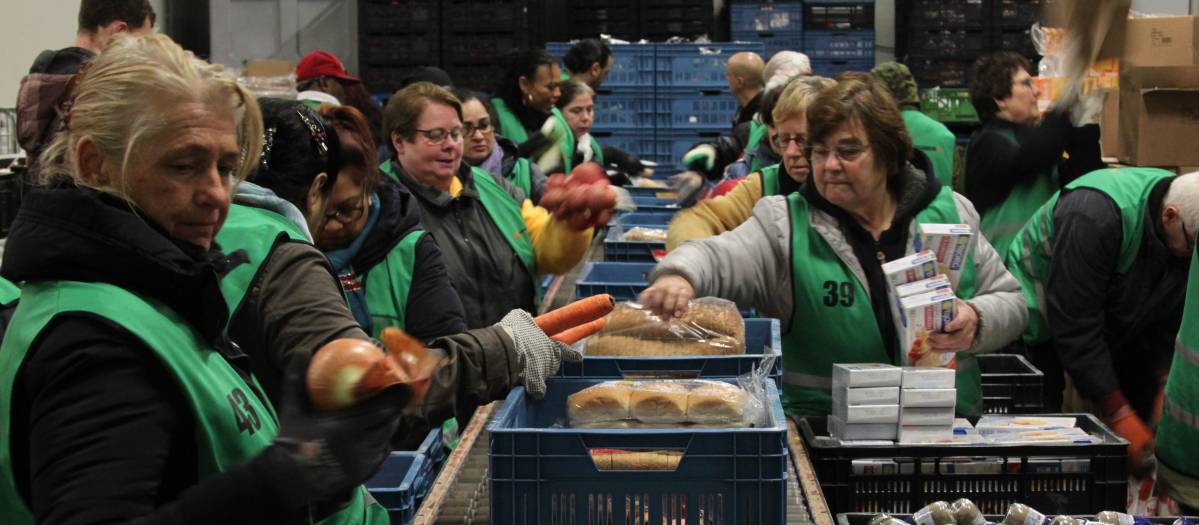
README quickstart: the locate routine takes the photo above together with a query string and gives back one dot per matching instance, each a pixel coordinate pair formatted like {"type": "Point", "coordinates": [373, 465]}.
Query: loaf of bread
{"type": "Point", "coordinates": [605, 402]}
{"type": "Point", "coordinates": [624, 345]}
{"type": "Point", "coordinates": [612, 459]}
{"type": "Point", "coordinates": [715, 402]}
{"type": "Point", "coordinates": [659, 402]}
{"type": "Point", "coordinates": [702, 318]}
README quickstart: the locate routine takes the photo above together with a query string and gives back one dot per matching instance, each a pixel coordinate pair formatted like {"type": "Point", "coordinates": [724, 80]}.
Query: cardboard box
{"type": "Point", "coordinates": [951, 243]}
{"type": "Point", "coordinates": [839, 429]}
{"type": "Point", "coordinates": [996, 424]}
{"type": "Point", "coordinates": [1109, 125]}
{"type": "Point", "coordinates": [1162, 41]}
{"type": "Point", "coordinates": [939, 282]}
{"type": "Point", "coordinates": [920, 434]}
{"type": "Point", "coordinates": [923, 315]}
{"type": "Point", "coordinates": [867, 413]}
{"type": "Point", "coordinates": [928, 397]}
{"type": "Point", "coordinates": [915, 267]}
{"type": "Point", "coordinates": [927, 417]}
{"type": "Point", "coordinates": [269, 68]}
{"type": "Point", "coordinates": [881, 395]}
{"type": "Point", "coordinates": [1159, 116]}
{"type": "Point", "coordinates": [923, 377]}
{"type": "Point", "coordinates": [865, 374]}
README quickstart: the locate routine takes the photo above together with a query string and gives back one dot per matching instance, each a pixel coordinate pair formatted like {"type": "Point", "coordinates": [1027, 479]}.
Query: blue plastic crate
{"type": "Point", "coordinates": [762, 338]}
{"type": "Point", "coordinates": [773, 42]}
{"type": "Point", "coordinates": [656, 204]}
{"type": "Point", "coordinates": [540, 473]}
{"type": "Point", "coordinates": [432, 449]}
{"type": "Point", "coordinates": [700, 110]}
{"type": "Point", "coordinates": [396, 486]}
{"type": "Point", "coordinates": [623, 280]}
{"type": "Point", "coordinates": [839, 45]}
{"type": "Point", "coordinates": [637, 191]}
{"type": "Point", "coordinates": [765, 17]}
{"type": "Point", "coordinates": [642, 218]}
{"type": "Point", "coordinates": [641, 143]}
{"type": "Point", "coordinates": [830, 68]}
{"type": "Point", "coordinates": [629, 109]}
{"type": "Point", "coordinates": [697, 65]}
{"type": "Point", "coordinates": [632, 64]}
{"type": "Point", "coordinates": [617, 249]}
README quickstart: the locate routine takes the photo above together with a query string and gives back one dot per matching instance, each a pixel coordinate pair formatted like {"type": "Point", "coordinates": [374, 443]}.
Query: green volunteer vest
{"type": "Point", "coordinates": [233, 424]}
{"type": "Point", "coordinates": [257, 231]}
{"type": "Point", "coordinates": [1178, 431]}
{"type": "Point", "coordinates": [505, 212]}
{"type": "Point", "coordinates": [1001, 223]}
{"type": "Point", "coordinates": [8, 291]}
{"type": "Point", "coordinates": [388, 282]}
{"type": "Point", "coordinates": [770, 180]}
{"type": "Point", "coordinates": [385, 167]}
{"type": "Point", "coordinates": [510, 127]}
{"type": "Point", "coordinates": [522, 177]}
{"type": "Point", "coordinates": [833, 322]}
{"type": "Point", "coordinates": [757, 133]}
{"type": "Point", "coordinates": [1028, 255]}
{"type": "Point", "coordinates": [935, 140]}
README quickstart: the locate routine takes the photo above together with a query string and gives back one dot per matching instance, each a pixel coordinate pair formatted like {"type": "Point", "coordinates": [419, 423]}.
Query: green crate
{"type": "Point", "coordinates": [948, 105]}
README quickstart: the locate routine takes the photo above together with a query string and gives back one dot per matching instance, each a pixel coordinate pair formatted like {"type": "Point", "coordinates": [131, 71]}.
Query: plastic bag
{"type": "Point", "coordinates": [712, 326]}
{"type": "Point", "coordinates": [641, 233]}
{"type": "Point", "coordinates": [667, 403]}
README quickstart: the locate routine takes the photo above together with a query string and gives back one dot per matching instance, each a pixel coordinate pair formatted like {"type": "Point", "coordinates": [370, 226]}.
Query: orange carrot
{"type": "Point", "coordinates": [574, 314]}
{"type": "Point", "coordinates": [578, 333]}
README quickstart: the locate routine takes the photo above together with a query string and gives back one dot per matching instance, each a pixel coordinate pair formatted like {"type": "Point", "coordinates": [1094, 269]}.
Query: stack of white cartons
{"type": "Point", "coordinates": [865, 402]}
{"type": "Point", "coordinates": [926, 402]}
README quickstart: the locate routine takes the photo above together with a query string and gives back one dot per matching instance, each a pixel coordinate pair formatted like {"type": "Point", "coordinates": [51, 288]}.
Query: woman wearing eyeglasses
{"type": "Point", "coordinates": [496, 155]}
{"type": "Point", "coordinates": [718, 215]}
{"type": "Point", "coordinates": [495, 240]}
{"type": "Point", "coordinates": [825, 245]}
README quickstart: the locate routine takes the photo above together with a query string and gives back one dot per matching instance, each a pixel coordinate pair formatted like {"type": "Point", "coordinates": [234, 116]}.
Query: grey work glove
{"type": "Point", "coordinates": [540, 356]}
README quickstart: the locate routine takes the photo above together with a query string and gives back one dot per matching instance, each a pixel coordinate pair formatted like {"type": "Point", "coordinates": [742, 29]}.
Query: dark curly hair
{"type": "Point", "coordinates": [991, 79]}
{"type": "Point", "coordinates": [586, 52]}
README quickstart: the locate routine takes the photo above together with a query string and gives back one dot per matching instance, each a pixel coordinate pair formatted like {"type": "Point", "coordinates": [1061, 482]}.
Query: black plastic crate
{"type": "Point", "coordinates": [400, 16]}
{"type": "Point", "coordinates": [385, 78]}
{"type": "Point", "coordinates": [487, 16]}
{"type": "Point", "coordinates": [1015, 39]}
{"type": "Point", "coordinates": [481, 49]}
{"type": "Point", "coordinates": [939, 72]}
{"type": "Point", "coordinates": [619, 21]}
{"type": "Point", "coordinates": [1103, 485]}
{"type": "Point", "coordinates": [479, 78]}
{"type": "Point", "coordinates": [1011, 385]}
{"type": "Point", "coordinates": [948, 13]}
{"type": "Point", "coordinates": [662, 19]}
{"type": "Point", "coordinates": [967, 43]}
{"type": "Point", "coordinates": [399, 49]}
{"type": "Point", "coordinates": [849, 16]}
{"type": "Point", "coordinates": [1015, 13]}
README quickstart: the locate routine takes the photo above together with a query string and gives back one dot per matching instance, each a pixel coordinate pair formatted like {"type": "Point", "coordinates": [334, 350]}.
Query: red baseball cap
{"type": "Point", "coordinates": [321, 64]}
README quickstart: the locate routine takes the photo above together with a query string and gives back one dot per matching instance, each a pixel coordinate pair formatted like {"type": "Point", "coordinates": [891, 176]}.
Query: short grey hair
{"type": "Point", "coordinates": [784, 66]}
{"type": "Point", "coordinates": [1184, 195]}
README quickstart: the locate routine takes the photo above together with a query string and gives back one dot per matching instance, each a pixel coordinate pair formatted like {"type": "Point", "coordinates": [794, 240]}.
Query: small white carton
{"type": "Point", "coordinates": [915, 267]}
{"type": "Point", "coordinates": [928, 397]}
{"type": "Point", "coordinates": [923, 434]}
{"type": "Point", "coordinates": [923, 315]}
{"type": "Point", "coordinates": [839, 429]}
{"type": "Point", "coordinates": [932, 284]}
{"type": "Point", "coordinates": [876, 395]}
{"type": "Point", "coordinates": [925, 377]}
{"type": "Point", "coordinates": [854, 375]}
{"type": "Point", "coordinates": [951, 243]}
{"type": "Point", "coordinates": [919, 416]}
{"type": "Point", "coordinates": [867, 413]}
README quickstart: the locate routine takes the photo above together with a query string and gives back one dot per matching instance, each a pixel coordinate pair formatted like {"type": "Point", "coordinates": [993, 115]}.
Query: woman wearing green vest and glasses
{"type": "Point", "coordinates": [495, 241]}
{"type": "Point", "coordinates": [825, 245]}
{"type": "Point", "coordinates": [525, 109]}
{"type": "Point", "coordinates": [121, 395]}
{"type": "Point", "coordinates": [496, 155]}
{"type": "Point", "coordinates": [720, 214]}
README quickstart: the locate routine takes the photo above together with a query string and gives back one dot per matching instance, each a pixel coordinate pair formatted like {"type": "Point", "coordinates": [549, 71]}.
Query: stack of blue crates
{"type": "Point", "coordinates": [661, 99]}
{"type": "Point", "coordinates": [837, 35]}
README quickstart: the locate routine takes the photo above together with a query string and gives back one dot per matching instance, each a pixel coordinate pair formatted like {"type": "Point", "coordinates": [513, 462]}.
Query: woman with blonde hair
{"type": "Point", "coordinates": [121, 394]}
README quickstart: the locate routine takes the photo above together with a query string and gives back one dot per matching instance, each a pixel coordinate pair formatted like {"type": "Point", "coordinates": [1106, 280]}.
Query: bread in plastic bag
{"type": "Point", "coordinates": [715, 402]}
{"type": "Point", "coordinates": [711, 326]}
{"type": "Point", "coordinates": [677, 403]}
{"type": "Point", "coordinates": [607, 401]}
{"type": "Point", "coordinates": [641, 233]}
{"type": "Point", "coordinates": [659, 402]}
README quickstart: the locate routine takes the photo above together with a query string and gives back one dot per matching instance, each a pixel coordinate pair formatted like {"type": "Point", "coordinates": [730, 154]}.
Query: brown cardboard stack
{"type": "Point", "coordinates": [1158, 104]}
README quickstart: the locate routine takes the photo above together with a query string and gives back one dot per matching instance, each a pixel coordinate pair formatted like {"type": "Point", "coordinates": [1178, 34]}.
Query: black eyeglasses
{"type": "Point", "coordinates": [469, 129]}
{"type": "Point", "coordinates": [845, 153]}
{"type": "Point", "coordinates": [348, 214]}
{"type": "Point", "coordinates": [781, 142]}
{"type": "Point", "coordinates": [438, 136]}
